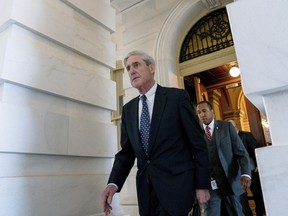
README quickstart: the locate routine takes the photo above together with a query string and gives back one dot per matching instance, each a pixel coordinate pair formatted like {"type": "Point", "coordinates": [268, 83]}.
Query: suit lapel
{"type": "Point", "coordinates": [133, 113]}
{"type": "Point", "coordinates": [216, 134]}
{"type": "Point", "coordinates": [158, 109]}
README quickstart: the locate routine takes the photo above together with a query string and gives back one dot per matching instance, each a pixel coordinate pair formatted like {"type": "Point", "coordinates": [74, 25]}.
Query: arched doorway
{"type": "Point", "coordinates": [169, 41]}
{"type": "Point", "coordinates": [210, 35]}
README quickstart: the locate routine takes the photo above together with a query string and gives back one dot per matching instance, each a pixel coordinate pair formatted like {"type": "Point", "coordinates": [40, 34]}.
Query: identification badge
{"type": "Point", "coordinates": [214, 185]}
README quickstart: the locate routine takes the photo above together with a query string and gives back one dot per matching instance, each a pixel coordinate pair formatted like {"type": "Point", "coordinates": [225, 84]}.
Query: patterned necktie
{"type": "Point", "coordinates": [144, 124]}
{"type": "Point", "coordinates": [208, 133]}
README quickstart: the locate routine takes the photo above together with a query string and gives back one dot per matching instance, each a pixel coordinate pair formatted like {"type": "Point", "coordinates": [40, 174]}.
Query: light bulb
{"type": "Point", "coordinates": [234, 71]}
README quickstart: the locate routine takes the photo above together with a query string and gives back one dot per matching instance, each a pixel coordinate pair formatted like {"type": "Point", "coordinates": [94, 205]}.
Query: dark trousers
{"type": "Point", "coordinates": [155, 206]}
{"type": "Point", "coordinates": [257, 194]}
{"type": "Point", "coordinates": [220, 205]}
{"type": "Point", "coordinates": [245, 205]}
{"type": "Point", "coordinates": [257, 197]}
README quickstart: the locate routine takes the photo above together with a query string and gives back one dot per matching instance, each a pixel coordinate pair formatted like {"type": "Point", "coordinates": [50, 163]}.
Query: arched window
{"type": "Point", "coordinates": [209, 34]}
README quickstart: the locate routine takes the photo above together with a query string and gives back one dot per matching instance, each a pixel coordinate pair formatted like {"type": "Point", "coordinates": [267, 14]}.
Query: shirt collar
{"type": "Point", "coordinates": [151, 92]}
{"type": "Point", "coordinates": [211, 125]}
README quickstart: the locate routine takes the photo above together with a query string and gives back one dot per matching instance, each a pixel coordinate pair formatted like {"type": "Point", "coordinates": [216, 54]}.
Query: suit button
{"type": "Point", "coordinates": [148, 161]}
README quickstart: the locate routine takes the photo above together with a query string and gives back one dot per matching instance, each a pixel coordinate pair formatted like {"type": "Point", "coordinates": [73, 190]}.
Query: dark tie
{"type": "Point", "coordinates": [208, 133]}
{"type": "Point", "coordinates": [144, 124]}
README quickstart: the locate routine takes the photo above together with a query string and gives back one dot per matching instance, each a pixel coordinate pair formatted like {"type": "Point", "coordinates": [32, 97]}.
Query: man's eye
{"type": "Point", "coordinates": [133, 65]}
{"type": "Point", "coordinates": [136, 64]}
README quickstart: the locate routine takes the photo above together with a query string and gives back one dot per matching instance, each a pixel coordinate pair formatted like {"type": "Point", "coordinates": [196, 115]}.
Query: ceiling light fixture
{"type": "Point", "coordinates": [234, 71]}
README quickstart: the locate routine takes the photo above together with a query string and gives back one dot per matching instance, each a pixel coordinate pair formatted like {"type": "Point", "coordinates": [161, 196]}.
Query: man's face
{"type": "Point", "coordinates": [141, 76]}
{"type": "Point", "coordinates": [205, 114]}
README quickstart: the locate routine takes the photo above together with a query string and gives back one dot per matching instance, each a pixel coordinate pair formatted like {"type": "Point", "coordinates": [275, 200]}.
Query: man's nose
{"type": "Point", "coordinates": [132, 70]}
{"type": "Point", "coordinates": [130, 73]}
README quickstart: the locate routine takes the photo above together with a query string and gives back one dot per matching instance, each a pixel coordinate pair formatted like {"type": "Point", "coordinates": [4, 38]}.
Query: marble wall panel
{"type": "Point", "coordinates": [273, 169]}
{"type": "Point", "coordinates": [64, 26]}
{"type": "Point", "coordinates": [274, 104]}
{"type": "Point", "coordinates": [37, 63]}
{"type": "Point", "coordinates": [51, 195]}
{"type": "Point", "coordinates": [267, 43]}
{"type": "Point", "coordinates": [88, 138]}
{"type": "Point", "coordinates": [52, 185]}
{"type": "Point", "coordinates": [148, 15]}
{"type": "Point", "coordinates": [27, 97]}
{"type": "Point", "coordinates": [28, 130]}
{"type": "Point", "coordinates": [101, 12]}
{"type": "Point", "coordinates": [6, 10]}
{"type": "Point", "coordinates": [52, 165]}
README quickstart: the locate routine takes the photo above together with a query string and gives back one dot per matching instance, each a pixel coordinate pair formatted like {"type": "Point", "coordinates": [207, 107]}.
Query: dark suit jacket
{"type": "Point", "coordinates": [250, 144]}
{"type": "Point", "coordinates": [232, 154]}
{"type": "Point", "coordinates": [177, 160]}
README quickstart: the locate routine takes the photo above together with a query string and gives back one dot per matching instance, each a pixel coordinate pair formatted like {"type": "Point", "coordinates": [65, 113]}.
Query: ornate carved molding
{"type": "Point", "coordinates": [210, 4]}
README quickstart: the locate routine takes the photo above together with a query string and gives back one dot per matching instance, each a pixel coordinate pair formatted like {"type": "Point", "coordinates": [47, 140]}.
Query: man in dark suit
{"type": "Point", "coordinates": [229, 163]}
{"type": "Point", "coordinates": [175, 166]}
{"type": "Point", "coordinates": [251, 144]}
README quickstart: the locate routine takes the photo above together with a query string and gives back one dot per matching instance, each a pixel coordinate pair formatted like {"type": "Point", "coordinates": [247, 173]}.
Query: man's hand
{"type": "Point", "coordinates": [245, 182]}
{"type": "Point", "coordinates": [202, 196]}
{"type": "Point", "coordinates": [107, 197]}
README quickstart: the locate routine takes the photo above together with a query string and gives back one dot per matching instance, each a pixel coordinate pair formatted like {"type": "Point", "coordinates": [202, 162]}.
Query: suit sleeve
{"type": "Point", "coordinates": [251, 146]}
{"type": "Point", "coordinates": [124, 159]}
{"type": "Point", "coordinates": [240, 151]}
{"type": "Point", "coordinates": [195, 137]}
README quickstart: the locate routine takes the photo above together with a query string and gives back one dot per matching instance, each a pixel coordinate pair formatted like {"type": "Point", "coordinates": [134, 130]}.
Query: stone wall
{"type": "Point", "coordinates": [57, 141]}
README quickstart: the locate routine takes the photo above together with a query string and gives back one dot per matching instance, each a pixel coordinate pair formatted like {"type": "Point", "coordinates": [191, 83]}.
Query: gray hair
{"type": "Point", "coordinates": [144, 56]}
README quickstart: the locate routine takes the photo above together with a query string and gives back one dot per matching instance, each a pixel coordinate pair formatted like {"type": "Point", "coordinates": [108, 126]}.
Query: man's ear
{"type": "Point", "coordinates": [152, 68]}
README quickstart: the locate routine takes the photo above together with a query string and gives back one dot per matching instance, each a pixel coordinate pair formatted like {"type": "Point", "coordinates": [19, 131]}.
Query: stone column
{"type": "Point", "coordinates": [57, 141]}
{"type": "Point", "coordinates": [261, 44]}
